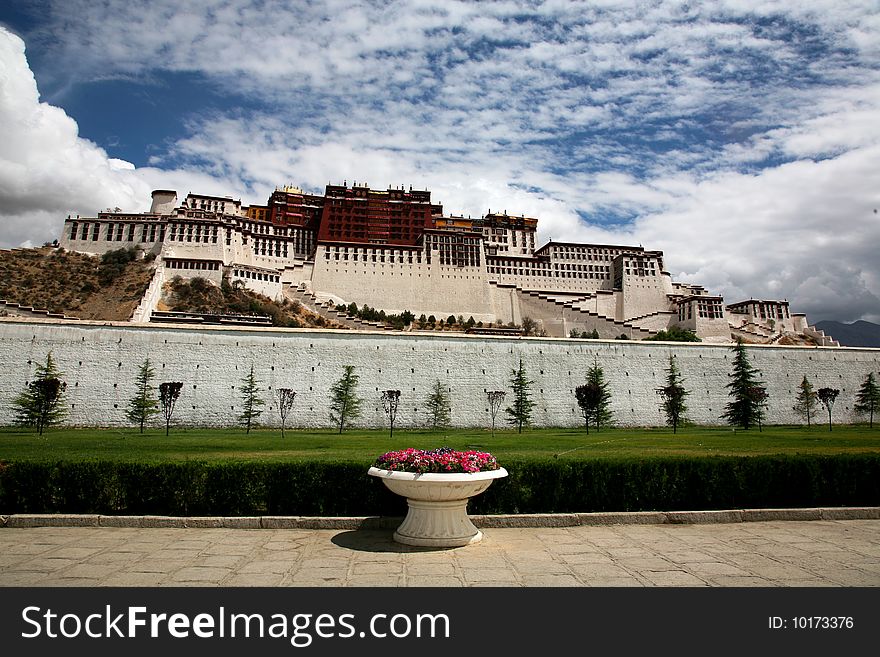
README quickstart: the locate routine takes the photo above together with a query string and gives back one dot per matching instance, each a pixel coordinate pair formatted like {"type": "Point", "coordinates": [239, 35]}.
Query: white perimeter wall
{"type": "Point", "coordinates": [100, 362]}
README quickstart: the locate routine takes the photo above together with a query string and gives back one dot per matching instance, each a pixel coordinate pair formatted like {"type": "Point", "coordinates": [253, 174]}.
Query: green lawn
{"type": "Point", "coordinates": [364, 446]}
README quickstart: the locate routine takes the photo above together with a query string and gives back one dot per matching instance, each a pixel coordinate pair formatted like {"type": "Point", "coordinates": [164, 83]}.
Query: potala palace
{"type": "Point", "coordinates": [395, 250]}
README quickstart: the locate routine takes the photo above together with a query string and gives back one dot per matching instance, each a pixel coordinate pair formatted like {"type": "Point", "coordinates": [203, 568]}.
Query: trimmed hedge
{"type": "Point", "coordinates": [196, 488]}
{"type": "Point", "coordinates": [682, 484]}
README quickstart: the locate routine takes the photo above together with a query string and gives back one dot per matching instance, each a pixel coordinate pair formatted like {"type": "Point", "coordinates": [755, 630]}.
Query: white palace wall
{"type": "Point", "coordinates": [432, 289]}
{"type": "Point", "coordinates": [100, 362]}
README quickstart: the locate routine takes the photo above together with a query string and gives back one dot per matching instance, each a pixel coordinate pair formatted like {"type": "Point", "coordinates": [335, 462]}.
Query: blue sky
{"type": "Point", "coordinates": [740, 137]}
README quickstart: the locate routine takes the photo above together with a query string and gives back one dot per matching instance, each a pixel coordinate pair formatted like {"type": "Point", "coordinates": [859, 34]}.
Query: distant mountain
{"type": "Point", "coordinates": [857, 334]}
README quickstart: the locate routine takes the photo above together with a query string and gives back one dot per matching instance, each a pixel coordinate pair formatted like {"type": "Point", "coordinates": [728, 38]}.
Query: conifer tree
{"type": "Point", "coordinates": [805, 403]}
{"type": "Point", "coordinates": [438, 406]}
{"type": "Point", "coordinates": [744, 409]}
{"type": "Point", "coordinates": [519, 413]}
{"type": "Point", "coordinates": [345, 405]}
{"type": "Point", "coordinates": [673, 395]}
{"type": "Point", "coordinates": [594, 398]}
{"type": "Point", "coordinates": [868, 398]}
{"type": "Point", "coordinates": [251, 401]}
{"type": "Point", "coordinates": [144, 405]}
{"type": "Point", "coordinates": [41, 403]}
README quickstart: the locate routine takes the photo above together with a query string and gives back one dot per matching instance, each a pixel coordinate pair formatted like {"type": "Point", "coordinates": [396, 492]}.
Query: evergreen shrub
{"type": "Point", "coordinates": [195, 488]}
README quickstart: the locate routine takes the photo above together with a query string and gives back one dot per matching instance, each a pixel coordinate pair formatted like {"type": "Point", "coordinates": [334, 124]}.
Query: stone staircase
{"type": "Point", "coordinates": [763, 335]}
{"type": "Point", "coordinates": [20, 310]}
{"type": "Point", "coordinates": [555, 297]}
{"type": "Point", "coordinates": [819, 336]}
{"type": "Point", "coordinates": [553, 305]}
{"type": "Point", "coordinates": [327, 310]}
{"type": "Point", "coordinates": [152, 295]}
{"type": "Point", "coordinates": [650, 321]}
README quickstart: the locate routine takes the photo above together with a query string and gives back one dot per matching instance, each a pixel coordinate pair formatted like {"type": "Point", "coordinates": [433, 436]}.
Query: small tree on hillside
{"type": "Point", "coordinates": [673, 395]}
{"type": "Point", "coordinates": [144, 405]}
{"type": "Point", "coordinates": [285, 404]}
{"type": "Point", "coordinates": [868, 398]}
{"type": "Point", "coordinates": [743, 410]}
{"type": "Point", "coordinates": [828, 396]}
{"type": "Point", "coordinates": [805, 403]}
{"type": "Point", "coordinates": [345, 405]}
{"type": "Point", "coordinates": [391, 402]}
{"type": "Point", "coordinates": [495, 399]}
{"type": "Point", "coordinates": [251, 401]}
{"type": "Point", "coordinates": [529, 326]}
{"type": "Point", "coordinates": [41, 403]}
{"type": "Point", "coordinates": [169, 393]}
{"type": "Point", "coordinates": [675, 334]}
{"type": "Point", "coordinates": [520, 411]}
{"type": "Point", "coordinates": [438, 406]}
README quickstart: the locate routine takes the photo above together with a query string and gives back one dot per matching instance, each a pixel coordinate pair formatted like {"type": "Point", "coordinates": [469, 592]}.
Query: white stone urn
{"type": "Point", "coordinates": [437, 515]}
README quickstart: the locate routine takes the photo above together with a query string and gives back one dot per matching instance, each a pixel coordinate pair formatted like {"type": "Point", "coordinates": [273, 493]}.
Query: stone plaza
{"type": "Point", "coordinates": [644, 550]}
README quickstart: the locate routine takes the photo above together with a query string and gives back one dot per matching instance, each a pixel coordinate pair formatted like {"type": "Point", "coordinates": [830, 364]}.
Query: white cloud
{"type": "Point", "coordinates": [805, 231]}
{"type": "Point", "coordinates": [48, 172]}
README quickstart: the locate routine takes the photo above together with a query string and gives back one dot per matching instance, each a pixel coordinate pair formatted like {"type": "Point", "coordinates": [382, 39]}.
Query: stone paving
{"type": "Point", "coordinates": [776, 553]}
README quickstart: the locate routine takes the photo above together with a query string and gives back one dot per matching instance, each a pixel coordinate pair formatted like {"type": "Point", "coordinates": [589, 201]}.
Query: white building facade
{"type": "Point", "coordinates": [486, 268]}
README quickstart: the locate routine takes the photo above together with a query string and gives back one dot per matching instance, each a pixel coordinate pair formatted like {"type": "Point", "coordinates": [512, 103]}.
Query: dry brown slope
{"type": "Point", "coordinates": [74, 284]}
{"type": "Point", "coordinates": [198, 295]}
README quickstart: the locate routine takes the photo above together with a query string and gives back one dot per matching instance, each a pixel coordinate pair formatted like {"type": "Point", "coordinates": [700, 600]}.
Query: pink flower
{"type": "Point", "coordinates": [443, 459]}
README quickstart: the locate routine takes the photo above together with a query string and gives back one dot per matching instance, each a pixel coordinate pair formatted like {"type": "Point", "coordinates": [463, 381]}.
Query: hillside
{"type": "Point", "coordinates": [75, 284]}
{"type": "Point", "coordinates": [110, 287]}
{"type": "Point", "coordinates": [857, 334]}
{"type": "Point", "coordinates": [198, 295]}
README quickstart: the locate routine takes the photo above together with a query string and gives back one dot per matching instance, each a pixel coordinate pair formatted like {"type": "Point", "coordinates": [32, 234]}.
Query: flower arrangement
{"type": "Point", "coordinates": [440, 460]}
